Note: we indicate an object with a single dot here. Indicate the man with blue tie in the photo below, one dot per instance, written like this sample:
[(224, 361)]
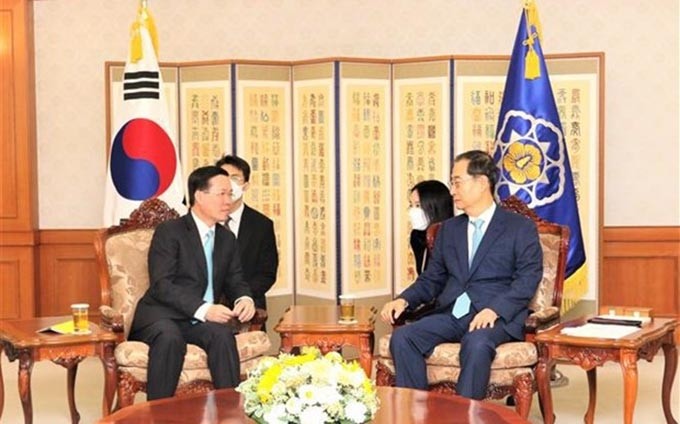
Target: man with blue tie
[(192, 263), (484, 270)]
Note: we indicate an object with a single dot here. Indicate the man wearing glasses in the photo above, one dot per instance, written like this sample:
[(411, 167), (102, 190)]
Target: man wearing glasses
[(254, 232), (485, 268), (193, 263)]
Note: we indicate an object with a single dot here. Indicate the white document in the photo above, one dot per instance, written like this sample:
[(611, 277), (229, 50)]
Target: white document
[(600, 331)]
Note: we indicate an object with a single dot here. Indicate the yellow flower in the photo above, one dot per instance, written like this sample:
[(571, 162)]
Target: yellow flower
[(523, 162), (269, 378)]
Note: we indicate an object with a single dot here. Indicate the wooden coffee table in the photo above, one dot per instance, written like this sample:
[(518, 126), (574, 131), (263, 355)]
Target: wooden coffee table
[(590, 353), (19, 339), (403, 406), (317, 325)]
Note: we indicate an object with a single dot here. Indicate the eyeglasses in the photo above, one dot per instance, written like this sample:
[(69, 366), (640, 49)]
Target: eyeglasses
[(219, 194), (458, 181)]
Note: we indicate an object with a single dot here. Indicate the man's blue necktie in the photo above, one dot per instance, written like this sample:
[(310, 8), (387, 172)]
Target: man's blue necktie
[(462, 305), (476, 238), (208, 246)]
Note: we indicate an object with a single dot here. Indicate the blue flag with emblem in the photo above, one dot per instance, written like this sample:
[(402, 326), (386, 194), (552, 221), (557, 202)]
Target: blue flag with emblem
[(530, 145)]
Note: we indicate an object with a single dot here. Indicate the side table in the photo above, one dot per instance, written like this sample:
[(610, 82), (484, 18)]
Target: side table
[(590, 352), (317, 325), (20, 339)]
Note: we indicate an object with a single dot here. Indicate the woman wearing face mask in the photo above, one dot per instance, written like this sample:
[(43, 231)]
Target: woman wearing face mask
[(429, 202)]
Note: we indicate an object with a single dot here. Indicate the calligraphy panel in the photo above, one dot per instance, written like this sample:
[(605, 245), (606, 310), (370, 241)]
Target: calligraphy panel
[(263, 108), (365, 174), (315, 188)]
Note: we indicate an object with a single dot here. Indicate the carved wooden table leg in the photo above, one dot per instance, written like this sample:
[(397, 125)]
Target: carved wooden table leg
[(109, 363), (286, 345), (670, 354), (71, 373), (25, 368), (592, 395), (543, 368), (630, 383), (71, 364), (366, 354)]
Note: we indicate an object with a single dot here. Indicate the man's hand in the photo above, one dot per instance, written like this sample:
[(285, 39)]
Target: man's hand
[(392, 310), (219, 313), (484, 318), (244, 310)]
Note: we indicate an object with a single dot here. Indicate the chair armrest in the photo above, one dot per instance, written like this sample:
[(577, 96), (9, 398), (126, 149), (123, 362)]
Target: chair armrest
[(111, 320), (542, 319), (410, 315), (258, 321)]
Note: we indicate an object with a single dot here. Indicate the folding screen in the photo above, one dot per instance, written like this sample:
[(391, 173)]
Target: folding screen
[(335, 146)]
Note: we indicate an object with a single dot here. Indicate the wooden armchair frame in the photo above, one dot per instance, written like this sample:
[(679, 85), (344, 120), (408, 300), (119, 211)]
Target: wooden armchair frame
[(149, 214)]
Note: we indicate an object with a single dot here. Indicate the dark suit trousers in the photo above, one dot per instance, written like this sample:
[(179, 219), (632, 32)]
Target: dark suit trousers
[(167, 340), (412, 343)]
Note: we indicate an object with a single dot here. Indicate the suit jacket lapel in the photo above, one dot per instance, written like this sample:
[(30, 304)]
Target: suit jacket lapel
[(196, 246), (495, 229), (460, 244)]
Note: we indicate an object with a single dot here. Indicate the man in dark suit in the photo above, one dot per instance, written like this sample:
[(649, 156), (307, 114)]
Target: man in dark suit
[(192, 263), (484, 270), (254, 232)]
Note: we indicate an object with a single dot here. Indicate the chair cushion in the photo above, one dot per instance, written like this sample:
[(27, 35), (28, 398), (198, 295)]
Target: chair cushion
[(439, 373), (126, 256), (250, 345), (508, 355), (188, 376)]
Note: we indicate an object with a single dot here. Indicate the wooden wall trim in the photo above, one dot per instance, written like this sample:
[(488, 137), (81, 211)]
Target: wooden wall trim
[(641, 267), (48, 237), (18, 238), (641, 234)]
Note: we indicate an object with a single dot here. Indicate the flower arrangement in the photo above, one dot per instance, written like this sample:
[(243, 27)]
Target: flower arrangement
[(309, 388)]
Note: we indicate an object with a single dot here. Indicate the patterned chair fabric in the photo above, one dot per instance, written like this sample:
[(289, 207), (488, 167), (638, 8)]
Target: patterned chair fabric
[(512, 371), (121, 253)]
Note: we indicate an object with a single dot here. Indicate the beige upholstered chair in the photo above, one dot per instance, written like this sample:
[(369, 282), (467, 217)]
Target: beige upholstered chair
[(512, 371), (121, 254)]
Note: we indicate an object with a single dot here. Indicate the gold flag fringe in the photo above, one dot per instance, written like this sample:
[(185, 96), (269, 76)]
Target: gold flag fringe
[(144, 20), (532, 67)]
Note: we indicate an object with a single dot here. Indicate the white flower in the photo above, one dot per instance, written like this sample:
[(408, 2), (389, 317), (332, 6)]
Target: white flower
[(307, 394), (313, 415), (357, 378), (294, 406), (328, 394), (276, 415), (356, 411)]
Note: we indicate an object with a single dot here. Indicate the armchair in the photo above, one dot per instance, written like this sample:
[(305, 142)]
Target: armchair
[(121, 255), (512, 371)]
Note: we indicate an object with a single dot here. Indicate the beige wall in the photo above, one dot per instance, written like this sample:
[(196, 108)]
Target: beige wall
[(73, 39)]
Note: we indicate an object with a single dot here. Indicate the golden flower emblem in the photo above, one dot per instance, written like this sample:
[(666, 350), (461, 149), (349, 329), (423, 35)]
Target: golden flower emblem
[(523, 162)]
